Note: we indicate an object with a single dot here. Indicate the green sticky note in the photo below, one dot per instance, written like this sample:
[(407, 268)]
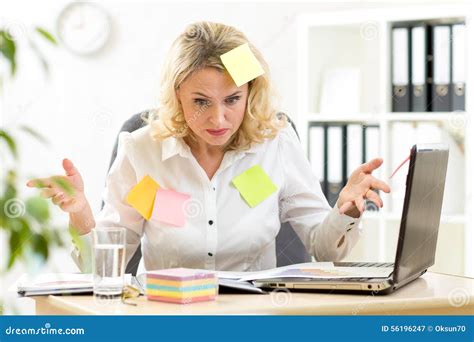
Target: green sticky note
[(254, 185)]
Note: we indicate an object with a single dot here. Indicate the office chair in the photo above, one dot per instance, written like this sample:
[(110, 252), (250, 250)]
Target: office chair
[(289, 248)]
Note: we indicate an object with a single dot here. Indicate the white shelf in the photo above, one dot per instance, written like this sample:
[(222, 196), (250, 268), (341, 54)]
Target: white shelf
[(380, 215), (357, 117), (389, 117), (440, 116)]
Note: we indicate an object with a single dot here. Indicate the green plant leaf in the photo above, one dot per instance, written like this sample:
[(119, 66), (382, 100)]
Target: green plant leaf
[(40, 56), (38, 208), (10, 142), (15, 247), (47, 35), (10, 192), (34, 134), (63, 184), (11, 177), (3, 217), (57, 238), (40, 246), (8, 50), (9, 185), (22, 239)]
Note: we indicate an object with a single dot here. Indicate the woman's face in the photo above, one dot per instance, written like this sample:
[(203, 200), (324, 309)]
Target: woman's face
[(213, 105)]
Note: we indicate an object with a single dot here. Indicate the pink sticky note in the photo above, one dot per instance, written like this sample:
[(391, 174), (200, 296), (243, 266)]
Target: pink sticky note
[(169, 207)]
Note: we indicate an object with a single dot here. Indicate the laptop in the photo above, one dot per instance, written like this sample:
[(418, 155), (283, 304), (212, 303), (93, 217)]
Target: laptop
[(417, 238)]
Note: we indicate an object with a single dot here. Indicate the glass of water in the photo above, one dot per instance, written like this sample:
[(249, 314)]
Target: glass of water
[(109, 261)]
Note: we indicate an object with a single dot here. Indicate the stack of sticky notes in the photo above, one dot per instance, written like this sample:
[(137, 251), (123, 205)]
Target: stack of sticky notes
[(181, 285)]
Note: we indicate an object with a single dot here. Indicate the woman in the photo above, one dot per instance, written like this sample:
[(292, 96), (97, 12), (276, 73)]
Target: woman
[(207, 131)]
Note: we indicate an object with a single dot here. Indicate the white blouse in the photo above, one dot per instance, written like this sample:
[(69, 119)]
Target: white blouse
[(223, 232)]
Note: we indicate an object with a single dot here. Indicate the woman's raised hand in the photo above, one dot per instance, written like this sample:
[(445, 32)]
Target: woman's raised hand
[(66, 191), (361, 186)]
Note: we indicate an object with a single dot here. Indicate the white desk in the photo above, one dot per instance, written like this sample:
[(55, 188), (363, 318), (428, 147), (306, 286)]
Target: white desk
[(432, 294)]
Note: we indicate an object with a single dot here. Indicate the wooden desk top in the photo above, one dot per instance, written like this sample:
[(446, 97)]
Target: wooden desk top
[(432, 294)]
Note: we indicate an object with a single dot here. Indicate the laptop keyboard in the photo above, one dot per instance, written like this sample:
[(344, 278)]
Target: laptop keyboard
[(371, 264)]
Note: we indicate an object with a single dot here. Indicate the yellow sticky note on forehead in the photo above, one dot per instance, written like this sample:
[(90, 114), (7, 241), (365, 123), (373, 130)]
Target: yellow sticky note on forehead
[(242, 64), (142, 196)]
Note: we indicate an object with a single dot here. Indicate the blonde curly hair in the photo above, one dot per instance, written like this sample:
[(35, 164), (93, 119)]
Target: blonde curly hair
[(198, 47)]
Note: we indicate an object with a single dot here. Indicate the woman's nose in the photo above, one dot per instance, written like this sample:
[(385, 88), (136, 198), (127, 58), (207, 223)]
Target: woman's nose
[(217, 115)]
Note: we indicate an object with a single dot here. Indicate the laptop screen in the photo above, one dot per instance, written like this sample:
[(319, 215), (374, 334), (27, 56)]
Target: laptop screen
[(421, 210)]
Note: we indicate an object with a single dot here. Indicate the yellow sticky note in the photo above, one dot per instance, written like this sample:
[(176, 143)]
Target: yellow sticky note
[(242, 64), (142, 196), (254, 185)]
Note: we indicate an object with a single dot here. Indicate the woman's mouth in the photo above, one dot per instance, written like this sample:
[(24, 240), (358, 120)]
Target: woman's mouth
[(217, 132)]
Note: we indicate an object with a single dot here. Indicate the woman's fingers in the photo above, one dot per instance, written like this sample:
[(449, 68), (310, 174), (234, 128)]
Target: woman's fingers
[(49, 192), (39, 183), (371, 165), (60, 183), (361, 186), (379, 185), (370, 182), (66, 204), (374, 197), (58, 198), (49, 182), (345, 207), (360, 204), (69, 168)]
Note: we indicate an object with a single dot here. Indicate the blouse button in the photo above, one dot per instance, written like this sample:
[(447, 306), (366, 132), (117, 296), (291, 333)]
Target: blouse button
[(211, 222), (210, 254)]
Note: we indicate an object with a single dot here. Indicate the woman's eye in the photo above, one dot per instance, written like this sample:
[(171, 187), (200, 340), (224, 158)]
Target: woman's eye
[(201, 102), (232, 100)]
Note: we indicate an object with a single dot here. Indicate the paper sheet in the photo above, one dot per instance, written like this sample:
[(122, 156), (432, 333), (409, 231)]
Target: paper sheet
[(320, 270)]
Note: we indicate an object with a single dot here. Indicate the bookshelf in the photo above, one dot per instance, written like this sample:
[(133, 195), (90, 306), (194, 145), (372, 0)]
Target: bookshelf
[(362, 39)]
